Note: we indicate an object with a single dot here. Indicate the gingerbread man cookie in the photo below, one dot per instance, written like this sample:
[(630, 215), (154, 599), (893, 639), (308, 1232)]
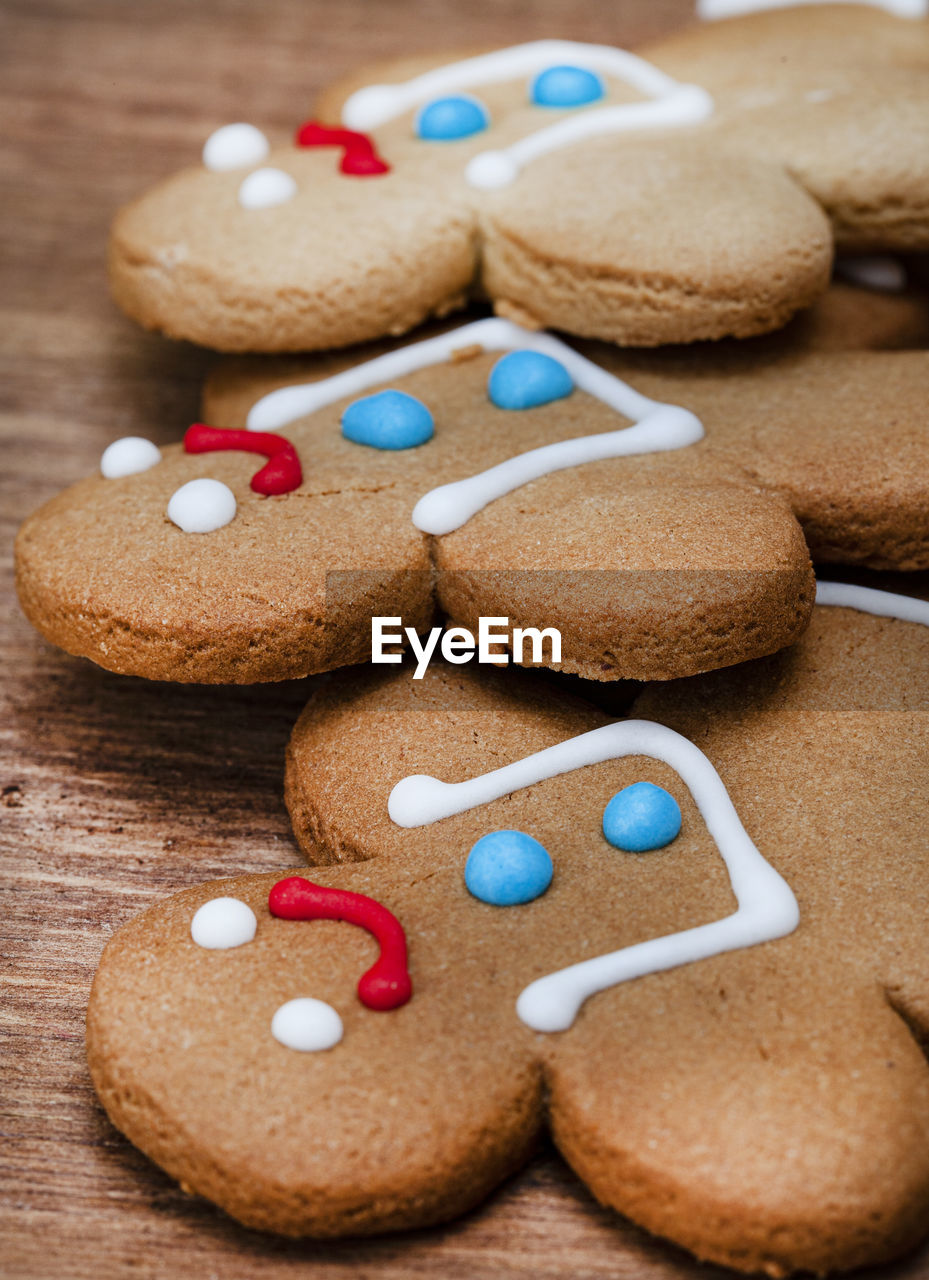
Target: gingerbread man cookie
[(691, 941), (578, 186), (522, 482), (495, 485)]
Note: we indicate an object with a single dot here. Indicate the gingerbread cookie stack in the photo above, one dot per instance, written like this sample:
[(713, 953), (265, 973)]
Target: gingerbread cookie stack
[(686, 940)]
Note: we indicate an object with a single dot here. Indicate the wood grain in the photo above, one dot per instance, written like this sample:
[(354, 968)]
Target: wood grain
[(114, 792)]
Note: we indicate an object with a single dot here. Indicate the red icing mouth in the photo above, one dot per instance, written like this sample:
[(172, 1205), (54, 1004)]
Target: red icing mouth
[(386, 985), (359, 154), (280, 474)]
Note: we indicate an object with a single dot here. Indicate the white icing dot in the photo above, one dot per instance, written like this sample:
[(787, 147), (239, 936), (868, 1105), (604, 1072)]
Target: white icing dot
[(307, 1025), (265, 188), (235, 146), (491, 169), (200, 506), (884, 275), (127, 456), (222, 923)]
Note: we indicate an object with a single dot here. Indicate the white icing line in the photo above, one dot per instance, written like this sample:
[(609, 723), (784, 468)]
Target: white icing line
[(767, 908), (375, 104), (685, 104), (658, 427), (712, 9), (674, 103), (280, 407), (447, 508), (884, 604)]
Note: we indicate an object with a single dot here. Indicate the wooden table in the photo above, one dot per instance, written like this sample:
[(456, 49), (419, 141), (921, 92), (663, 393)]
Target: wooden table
[(114, 792)]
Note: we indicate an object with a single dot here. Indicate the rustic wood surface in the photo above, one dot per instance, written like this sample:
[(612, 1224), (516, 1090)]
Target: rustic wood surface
[(115, 792)]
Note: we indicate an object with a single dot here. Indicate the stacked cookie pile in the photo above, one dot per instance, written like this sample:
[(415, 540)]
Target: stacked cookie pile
[(690, 939)]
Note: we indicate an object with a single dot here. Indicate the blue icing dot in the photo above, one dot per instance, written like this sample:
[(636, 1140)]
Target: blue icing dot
[(566, 87), (641, 817), (524, 379), (388, 420), (446, 119), (506, 868)]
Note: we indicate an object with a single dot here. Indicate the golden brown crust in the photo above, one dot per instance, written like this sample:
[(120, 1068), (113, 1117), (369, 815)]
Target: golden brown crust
[(725, 227), (768, 1108), (652, 566)]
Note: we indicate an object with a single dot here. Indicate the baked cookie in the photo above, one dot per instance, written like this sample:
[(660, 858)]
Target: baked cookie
[(874, 303), (836, 93), (652, 555), (657, 551), (577, 186), (693, 943)]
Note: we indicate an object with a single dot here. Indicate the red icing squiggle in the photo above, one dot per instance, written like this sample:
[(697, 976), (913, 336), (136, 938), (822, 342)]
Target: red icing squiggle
[(359, 154), (386, 985), (280, 474)]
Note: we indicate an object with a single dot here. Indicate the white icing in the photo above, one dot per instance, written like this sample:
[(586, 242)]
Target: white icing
[(671, 103), (711, 9), (658, 427), (222, 923), (885, 604), (767, 908), (266, 188), (687, 104), (128, 456), (375, 104), (235, 146), (885, 275), (307, 1025), (200, 506)]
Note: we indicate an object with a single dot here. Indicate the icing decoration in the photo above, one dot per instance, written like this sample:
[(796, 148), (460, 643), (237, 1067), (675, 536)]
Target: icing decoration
[(767, 908), (657, 427), (223, 923), (307, 1025), (668, 101), (885, 275), (526, 379), (507, 868), (641, 817), (201, 506), (235, 146), (386, 985), (566, 87), (448, 119), (280, 474), (266, 188), (359, 154), (128, 456), (387, 420), (712, 9), (884, 604)]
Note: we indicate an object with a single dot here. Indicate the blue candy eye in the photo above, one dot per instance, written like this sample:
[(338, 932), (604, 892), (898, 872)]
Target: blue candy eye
[(566, 87), (447, 119), (641, 817), (525, 379), (506, 868), (388, 420)]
